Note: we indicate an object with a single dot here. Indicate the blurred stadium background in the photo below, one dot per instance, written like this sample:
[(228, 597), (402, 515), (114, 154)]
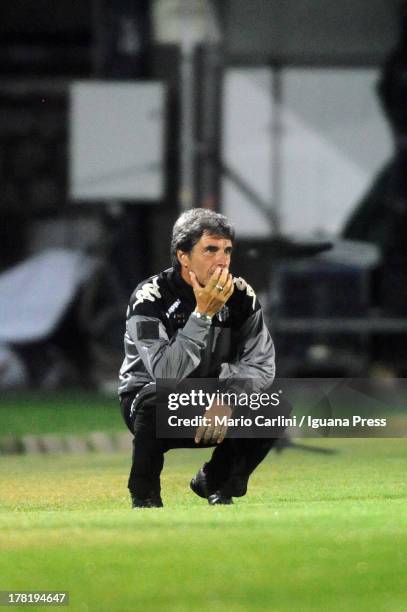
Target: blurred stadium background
[(115, 116)]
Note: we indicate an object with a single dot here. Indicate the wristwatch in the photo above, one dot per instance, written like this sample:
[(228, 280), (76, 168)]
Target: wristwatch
[(199, 315)]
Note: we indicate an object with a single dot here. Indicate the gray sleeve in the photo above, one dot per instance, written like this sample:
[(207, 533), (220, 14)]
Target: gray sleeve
[(164, 358), (256, 356)]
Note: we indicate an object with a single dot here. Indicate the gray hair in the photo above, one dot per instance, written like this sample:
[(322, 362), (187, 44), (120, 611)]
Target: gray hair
[(192, 224)]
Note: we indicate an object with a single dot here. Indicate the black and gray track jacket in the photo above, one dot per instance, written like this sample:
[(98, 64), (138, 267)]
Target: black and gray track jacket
[(163, 340)]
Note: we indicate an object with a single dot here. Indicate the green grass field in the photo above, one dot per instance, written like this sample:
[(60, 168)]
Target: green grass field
[(58, 412), (315, 532)]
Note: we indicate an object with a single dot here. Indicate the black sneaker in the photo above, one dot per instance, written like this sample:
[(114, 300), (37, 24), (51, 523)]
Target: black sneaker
[(154, 501), (201, 485)]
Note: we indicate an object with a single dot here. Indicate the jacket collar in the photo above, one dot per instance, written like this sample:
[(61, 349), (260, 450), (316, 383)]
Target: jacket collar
[(184, 290)]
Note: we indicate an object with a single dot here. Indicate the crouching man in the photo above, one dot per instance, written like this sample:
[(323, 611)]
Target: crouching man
[(194, 320)]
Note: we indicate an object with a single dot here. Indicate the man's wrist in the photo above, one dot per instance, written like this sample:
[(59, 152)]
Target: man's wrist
[(202, 315)]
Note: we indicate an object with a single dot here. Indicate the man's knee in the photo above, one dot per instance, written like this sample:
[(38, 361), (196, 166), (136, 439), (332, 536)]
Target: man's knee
[(143, 417), (137, 414)]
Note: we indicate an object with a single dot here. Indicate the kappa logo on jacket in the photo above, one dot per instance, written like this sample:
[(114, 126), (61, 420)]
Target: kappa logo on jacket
[(149, 291), (172, 308)]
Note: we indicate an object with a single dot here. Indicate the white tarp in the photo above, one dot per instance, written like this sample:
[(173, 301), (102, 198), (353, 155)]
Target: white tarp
[(35, 294)]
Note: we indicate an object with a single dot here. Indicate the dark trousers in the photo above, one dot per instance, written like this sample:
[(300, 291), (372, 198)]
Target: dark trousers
[(229, 468)]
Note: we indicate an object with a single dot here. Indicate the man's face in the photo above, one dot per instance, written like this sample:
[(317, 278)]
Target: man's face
[(209, 253)]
